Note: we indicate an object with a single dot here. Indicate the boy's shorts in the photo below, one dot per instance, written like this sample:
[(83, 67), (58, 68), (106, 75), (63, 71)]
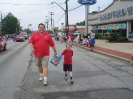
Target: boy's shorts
[(67, 67), (41, 61)]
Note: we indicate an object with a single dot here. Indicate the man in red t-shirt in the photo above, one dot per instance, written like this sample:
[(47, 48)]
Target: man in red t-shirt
[(68, 53), (40, 42)]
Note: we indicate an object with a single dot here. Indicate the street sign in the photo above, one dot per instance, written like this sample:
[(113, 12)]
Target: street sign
[(87, 2)]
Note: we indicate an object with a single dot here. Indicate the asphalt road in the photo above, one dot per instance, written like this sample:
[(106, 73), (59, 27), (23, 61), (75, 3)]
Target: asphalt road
[(13, 66), (96, 76)]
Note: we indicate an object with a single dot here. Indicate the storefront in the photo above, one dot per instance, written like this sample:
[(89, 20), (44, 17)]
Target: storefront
[(116, 18)]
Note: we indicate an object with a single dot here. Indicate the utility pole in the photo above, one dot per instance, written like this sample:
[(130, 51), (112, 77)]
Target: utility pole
[(46, 25), (66, 14), (86, 19), (51, 13)]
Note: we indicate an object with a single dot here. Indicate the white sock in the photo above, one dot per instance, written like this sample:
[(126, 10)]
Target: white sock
[(45, 78)]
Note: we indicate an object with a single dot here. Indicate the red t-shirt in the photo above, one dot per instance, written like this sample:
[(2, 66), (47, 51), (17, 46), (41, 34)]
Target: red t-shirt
[(41, 43), (67, 56), (69, 35)]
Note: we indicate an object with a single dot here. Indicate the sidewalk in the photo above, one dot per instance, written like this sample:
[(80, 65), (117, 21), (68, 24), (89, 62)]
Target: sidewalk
[(119, 50)]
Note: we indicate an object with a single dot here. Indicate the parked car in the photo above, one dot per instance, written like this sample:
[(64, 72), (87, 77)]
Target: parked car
[(3, 43), (20, 38), (75, 34), (25, 36)]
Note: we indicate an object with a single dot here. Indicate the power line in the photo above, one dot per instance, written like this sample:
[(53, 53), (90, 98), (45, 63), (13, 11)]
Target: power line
[(60, 18), (24, 4), (37, 11), (76, 8), (69, 10), (75, 5)]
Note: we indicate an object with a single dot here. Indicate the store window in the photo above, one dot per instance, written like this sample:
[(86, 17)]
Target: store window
[(107, 29)]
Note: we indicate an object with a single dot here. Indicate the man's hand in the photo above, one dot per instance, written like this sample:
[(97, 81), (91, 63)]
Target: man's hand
[(32, 49)]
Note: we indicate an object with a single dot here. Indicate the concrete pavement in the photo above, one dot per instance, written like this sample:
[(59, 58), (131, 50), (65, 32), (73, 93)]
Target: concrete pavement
[(119, 50)]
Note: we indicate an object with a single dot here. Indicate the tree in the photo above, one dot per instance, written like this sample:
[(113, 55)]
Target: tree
[(9, 24), (75, 28), (28, 31), (80, 23)]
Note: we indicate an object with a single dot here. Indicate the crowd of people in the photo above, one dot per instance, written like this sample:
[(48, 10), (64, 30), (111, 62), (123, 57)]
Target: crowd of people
[(70, 38)]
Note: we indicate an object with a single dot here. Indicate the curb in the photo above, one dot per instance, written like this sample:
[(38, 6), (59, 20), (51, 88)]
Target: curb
[(103, 53)]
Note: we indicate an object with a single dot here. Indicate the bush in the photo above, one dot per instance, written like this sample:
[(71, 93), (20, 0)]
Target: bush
[(110, 38), (122, 39), (97, 35), (104, 37), (115, 36)]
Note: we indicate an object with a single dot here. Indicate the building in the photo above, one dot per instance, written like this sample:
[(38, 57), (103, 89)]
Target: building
[(116, 18), (81, 29), (70, 26), (73, 27)]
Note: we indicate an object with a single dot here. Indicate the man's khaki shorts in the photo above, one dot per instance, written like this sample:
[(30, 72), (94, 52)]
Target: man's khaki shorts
[(42, 61)]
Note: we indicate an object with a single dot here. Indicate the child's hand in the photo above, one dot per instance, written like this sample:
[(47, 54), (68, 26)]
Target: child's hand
[(55, 53)]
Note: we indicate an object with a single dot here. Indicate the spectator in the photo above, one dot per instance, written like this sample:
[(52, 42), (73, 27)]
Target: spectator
[(69, 37), (92, 35)]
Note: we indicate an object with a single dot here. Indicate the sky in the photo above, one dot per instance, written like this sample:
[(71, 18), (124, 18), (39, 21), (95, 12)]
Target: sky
[(35, 11)]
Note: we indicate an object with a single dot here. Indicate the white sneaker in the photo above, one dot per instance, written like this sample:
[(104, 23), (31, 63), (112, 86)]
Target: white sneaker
[(71, 80), (65, 77), (45, 83), (41, 77)]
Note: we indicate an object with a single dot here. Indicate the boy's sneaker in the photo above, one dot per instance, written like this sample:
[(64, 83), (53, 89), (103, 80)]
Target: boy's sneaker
[(71, 80), (41, 77), (65, 77), (45, 83)]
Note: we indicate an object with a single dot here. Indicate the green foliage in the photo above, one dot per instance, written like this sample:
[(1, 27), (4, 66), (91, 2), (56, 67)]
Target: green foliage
[(28, 31), (75, 29), (9, 24), (111, 38), (55, 29), (122, 39), (80, 23), (104, 37), (97, 35), (117, 37)]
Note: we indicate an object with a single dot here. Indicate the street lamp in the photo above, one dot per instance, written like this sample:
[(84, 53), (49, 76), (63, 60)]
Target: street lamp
[(47, 22), (28, 27), (66, 15), (51, 22)]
